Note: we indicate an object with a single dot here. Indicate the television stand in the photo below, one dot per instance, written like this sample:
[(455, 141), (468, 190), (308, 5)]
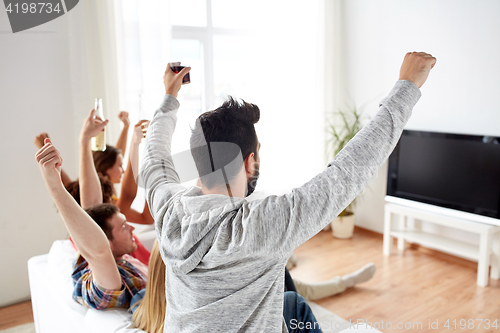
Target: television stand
[(489, 243)]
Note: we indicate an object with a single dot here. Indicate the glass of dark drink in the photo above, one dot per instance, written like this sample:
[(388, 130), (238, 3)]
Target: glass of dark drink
[(176, 68)]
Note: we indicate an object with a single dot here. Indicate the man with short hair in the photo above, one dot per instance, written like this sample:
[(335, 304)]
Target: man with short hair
[(225, 257), (105, 274)]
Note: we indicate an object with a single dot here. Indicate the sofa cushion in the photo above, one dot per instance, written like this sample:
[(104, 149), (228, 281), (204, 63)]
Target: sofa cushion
[(62, 256), (110, 321)]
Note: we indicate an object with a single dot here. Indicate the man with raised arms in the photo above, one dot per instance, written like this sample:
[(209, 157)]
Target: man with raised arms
[(225, 256)]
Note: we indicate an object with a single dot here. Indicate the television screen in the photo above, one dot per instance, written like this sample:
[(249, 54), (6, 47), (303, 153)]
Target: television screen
[(449, 170)]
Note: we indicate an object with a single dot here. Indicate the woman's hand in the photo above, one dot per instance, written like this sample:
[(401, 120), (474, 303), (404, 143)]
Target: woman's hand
[(124, 118), (92, 126), (140, 130)]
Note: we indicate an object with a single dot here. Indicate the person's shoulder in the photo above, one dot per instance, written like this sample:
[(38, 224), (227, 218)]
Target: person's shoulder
[(133, 266), (132, 272)]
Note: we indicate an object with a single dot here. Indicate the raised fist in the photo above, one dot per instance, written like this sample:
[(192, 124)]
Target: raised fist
[(416, 67), (124, 118)]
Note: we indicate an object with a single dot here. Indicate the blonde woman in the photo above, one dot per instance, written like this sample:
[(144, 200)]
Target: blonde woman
[(149, 305)]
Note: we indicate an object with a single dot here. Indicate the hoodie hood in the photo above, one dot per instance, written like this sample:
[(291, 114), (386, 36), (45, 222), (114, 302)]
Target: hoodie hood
[(191, 224)]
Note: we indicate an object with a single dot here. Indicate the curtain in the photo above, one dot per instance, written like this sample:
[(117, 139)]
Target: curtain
[(93, 63), (143, 41), (336, 94), (144, 35), (332, 61)]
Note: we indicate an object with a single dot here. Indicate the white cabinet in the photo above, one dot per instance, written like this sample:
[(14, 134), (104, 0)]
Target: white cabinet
[(397, 224)]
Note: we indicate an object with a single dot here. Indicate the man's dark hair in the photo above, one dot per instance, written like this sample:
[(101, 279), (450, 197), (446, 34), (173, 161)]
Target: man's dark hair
[(231, 124), (101, 214)]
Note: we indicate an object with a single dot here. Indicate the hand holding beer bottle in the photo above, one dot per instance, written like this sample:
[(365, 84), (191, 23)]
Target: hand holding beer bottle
[(98, 142)]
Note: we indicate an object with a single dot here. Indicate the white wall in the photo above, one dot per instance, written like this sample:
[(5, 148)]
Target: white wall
[(44, 87), (35, 97), (461, 94)]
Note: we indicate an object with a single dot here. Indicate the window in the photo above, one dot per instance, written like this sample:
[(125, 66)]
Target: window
[(266, 52), (221, 46)]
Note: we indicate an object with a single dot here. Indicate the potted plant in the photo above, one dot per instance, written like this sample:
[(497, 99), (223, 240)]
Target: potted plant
[(341, 131)]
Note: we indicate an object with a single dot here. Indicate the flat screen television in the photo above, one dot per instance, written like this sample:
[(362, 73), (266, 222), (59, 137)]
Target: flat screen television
[(456, 171)]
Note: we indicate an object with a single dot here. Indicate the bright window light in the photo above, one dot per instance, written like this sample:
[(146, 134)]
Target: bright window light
[(266, 52), (188, 13)]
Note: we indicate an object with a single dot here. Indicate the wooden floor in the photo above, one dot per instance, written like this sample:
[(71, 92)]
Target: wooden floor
[(409, 287), (15, 315), (412, 287)]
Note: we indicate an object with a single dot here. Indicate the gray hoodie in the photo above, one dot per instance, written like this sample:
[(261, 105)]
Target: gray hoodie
[(225, 257)]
